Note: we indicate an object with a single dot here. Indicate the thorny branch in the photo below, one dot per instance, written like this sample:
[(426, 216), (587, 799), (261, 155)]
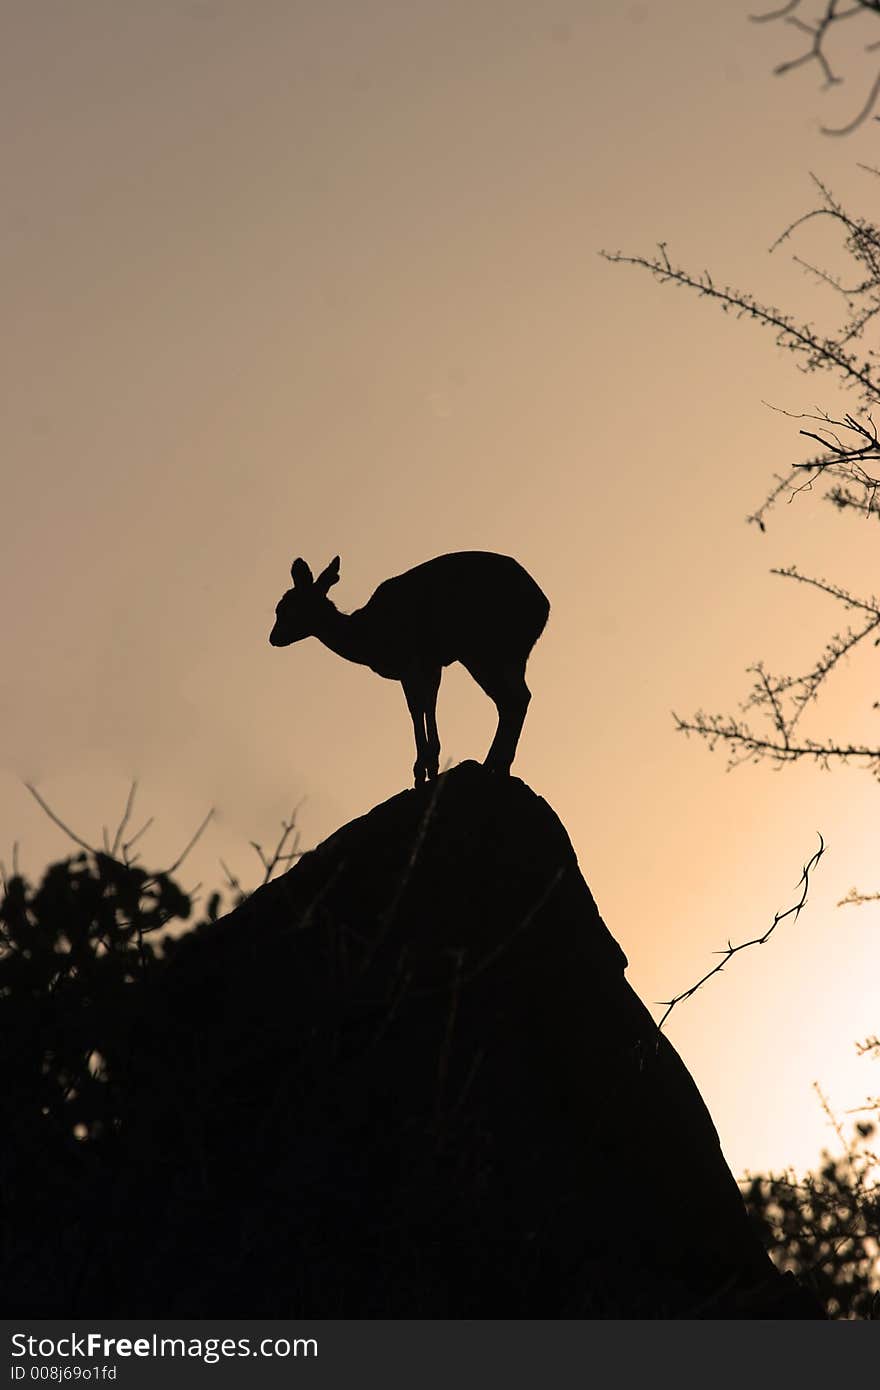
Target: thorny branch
[(845, 454), (783, 699), (782, 486), (817, 351), (816, 34), (843, 459), (847, 445), (730, 950)]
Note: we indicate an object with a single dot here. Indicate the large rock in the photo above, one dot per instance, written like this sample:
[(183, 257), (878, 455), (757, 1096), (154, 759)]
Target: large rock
[(409, 1078)]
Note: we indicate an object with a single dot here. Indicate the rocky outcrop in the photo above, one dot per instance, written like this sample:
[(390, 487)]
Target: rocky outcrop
[(409, 1079)]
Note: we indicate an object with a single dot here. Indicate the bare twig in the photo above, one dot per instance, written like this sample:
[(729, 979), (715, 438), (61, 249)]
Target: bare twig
[(281, 855), (231, 880), (819, 352), (785, 698), (832, 1118), (126, 816), (817, 33), (731, 950), (190, 845), (783, 485), (855, 898), (71, 834), (849, 447), (128, 844)]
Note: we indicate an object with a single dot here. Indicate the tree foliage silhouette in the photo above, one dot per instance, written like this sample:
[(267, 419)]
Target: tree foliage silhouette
[(826, 1227), (83, 952), (845, 453)]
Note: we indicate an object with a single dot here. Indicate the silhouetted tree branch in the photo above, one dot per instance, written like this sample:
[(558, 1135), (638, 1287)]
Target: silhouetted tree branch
[(846, 451), (855, 899), (782, 700), (119, 850), (285, 852), (815, 350), (814, 33), (824, 1227), (730, 950)]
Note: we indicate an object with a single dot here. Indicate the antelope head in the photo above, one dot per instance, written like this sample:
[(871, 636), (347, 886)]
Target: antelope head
[(298, 611)]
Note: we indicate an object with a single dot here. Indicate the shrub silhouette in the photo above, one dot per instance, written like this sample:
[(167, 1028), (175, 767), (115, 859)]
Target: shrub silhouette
[(826, 1228), (71, 948), (72, 951)]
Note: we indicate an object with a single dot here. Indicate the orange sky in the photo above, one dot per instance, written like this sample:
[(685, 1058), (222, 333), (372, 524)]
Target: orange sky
[(292, 277)]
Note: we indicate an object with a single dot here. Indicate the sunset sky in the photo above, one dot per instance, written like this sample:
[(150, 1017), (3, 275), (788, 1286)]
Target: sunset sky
[(311, 277)]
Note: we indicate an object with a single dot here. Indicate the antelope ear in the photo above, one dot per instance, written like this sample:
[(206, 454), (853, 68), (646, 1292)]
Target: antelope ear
[(300, 574), (329, 576)]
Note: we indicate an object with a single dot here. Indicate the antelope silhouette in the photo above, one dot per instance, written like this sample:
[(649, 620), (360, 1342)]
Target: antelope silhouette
[(475, 607)]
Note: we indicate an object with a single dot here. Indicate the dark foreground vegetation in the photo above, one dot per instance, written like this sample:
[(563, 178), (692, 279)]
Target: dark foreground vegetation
[(406, 1078)]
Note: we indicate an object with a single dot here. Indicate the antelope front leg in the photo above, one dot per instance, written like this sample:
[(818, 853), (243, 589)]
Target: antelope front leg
[(414, 690)]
